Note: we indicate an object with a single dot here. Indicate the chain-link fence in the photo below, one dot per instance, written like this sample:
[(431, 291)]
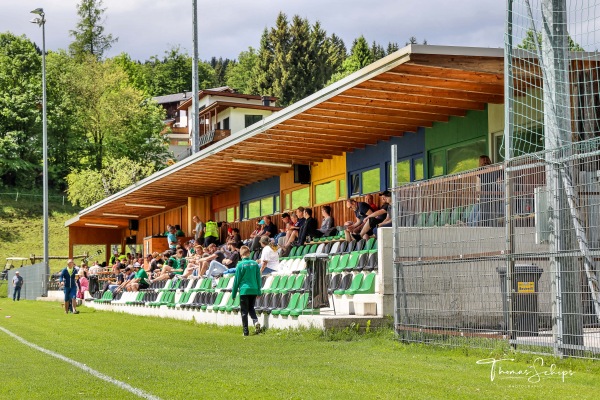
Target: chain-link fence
[(500, 254)]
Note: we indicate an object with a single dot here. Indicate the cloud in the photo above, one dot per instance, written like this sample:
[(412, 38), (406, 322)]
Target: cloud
[(147, 28)]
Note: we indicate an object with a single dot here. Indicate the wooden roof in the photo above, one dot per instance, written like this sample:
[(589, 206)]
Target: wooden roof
[(411, 88)]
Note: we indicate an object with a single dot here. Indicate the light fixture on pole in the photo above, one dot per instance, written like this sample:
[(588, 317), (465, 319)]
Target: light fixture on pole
[(41, 21), (259, 162)]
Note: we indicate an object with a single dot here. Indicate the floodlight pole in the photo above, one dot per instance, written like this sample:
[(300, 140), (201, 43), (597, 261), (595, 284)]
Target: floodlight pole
[(41, 21), (195, 117)]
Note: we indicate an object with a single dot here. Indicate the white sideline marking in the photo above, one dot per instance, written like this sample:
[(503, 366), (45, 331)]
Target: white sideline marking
[(97, 374)]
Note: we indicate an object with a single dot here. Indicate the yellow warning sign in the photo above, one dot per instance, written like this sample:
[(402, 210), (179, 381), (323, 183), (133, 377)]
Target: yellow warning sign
[(525, 287)]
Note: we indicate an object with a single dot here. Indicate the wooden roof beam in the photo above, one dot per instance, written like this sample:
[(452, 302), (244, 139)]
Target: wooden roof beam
[(414, 99), (369, 118), (434, 71), (451, 94), (401, 106), (441, 83)]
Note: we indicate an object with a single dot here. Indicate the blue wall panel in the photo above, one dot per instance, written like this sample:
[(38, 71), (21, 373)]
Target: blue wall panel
[(260, 189), (379, 154)]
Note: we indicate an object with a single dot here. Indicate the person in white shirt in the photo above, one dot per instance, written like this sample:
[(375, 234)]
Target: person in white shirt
[(269, 259)]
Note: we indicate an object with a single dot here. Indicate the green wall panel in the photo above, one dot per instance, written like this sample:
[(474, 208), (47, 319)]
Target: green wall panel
[(457, 129)]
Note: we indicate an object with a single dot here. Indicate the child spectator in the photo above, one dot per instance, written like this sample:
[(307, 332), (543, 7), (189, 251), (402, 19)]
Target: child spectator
[(247, 281)]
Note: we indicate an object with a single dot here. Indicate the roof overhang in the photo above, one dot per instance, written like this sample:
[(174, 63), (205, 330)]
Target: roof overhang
[(411, 88)]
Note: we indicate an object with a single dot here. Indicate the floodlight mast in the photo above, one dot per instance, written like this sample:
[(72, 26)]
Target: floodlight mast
[(41, 21)]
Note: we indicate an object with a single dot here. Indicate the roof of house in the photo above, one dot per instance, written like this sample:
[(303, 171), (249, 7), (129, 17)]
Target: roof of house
[(411, 88)]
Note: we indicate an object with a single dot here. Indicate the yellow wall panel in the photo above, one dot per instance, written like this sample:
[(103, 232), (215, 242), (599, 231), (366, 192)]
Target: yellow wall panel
[(327, 169)]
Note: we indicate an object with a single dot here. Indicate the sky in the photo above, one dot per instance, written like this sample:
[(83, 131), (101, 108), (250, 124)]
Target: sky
[(150, 27)]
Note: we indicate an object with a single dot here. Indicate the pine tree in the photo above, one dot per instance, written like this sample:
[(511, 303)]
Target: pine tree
[(377, 51), (262, 82), (89, 36), (392, 47)]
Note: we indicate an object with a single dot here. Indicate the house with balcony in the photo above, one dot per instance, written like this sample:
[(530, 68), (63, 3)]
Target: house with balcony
[(222, 111)]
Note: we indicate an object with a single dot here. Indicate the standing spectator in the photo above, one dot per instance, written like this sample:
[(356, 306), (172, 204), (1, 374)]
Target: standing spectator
[(82, 284), (67, 280), (17, 282), (178, 231), (172, 238), (269, 259), (198, 230), (247, 281), (211, 233)]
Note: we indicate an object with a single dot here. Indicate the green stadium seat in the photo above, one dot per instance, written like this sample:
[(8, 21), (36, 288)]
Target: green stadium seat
[(352, 261), (433, 218), (456, 215), (366, 287), (422, 219), (291, 280), (369, 244), (292, 303), (333, 263), (234, 306), (342, 263), (356, 282), (444, 217), (274, 284), (300, 306)]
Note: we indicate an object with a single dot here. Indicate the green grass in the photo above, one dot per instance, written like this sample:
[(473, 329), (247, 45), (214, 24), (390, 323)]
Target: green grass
[(183, 360), (21, 230)]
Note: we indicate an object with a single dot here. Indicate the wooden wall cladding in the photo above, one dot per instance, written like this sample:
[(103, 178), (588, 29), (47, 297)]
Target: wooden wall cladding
[(227, 199), (157, 224)]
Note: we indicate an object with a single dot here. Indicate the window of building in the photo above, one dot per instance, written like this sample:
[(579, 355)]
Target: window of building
[(300, 198), (260, 207), (371, 181), (363, 182), (287, 201), (452, 160), (226, 123), (408, 170), (342, 190), (251, 119), (231, 214), (326, 192), (254, 209), (419, 169), (354, 184)]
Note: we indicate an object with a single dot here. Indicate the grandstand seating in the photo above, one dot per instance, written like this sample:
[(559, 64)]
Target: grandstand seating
[(352, 278)]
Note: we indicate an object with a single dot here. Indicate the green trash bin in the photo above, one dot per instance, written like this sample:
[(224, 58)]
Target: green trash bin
[(524, 296)]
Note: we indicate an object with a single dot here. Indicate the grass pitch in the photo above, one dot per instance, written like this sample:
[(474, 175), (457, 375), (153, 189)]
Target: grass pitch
[(183, 360)]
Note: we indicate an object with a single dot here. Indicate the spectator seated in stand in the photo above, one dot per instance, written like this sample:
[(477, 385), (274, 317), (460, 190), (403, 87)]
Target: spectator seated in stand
[(269, 259), (361, 210), (309, 228), (379, 218), (292, 234), (227, 265), (140, 280), (175, 266), (256, 232), (285, 220), (269, 229), (327, 224)]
